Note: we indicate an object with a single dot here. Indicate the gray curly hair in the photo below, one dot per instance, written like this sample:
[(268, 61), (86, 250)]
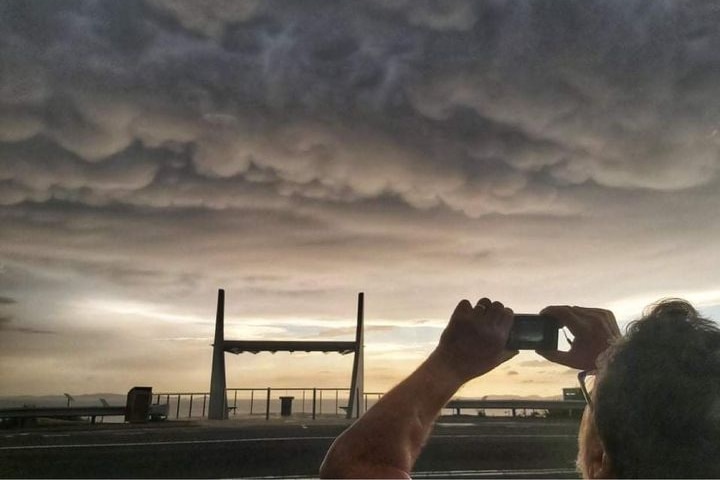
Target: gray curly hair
[(657, 400)]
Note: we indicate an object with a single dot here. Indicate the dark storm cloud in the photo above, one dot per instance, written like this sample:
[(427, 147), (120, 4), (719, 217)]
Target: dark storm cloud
[(7, 301), (296, 152), (535, 364), (130, 124), (483, 107), (350, 331), (8, 324)]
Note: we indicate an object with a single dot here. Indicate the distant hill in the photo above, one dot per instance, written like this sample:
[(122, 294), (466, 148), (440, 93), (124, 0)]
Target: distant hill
[(86, 400), (517, 397)]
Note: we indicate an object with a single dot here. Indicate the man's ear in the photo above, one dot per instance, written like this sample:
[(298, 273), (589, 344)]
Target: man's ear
[(597, 461), (606, 470), (593, 460), (600, 465)]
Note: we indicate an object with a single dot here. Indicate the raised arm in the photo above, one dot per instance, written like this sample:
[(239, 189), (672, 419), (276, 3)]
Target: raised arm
[(387, 440)]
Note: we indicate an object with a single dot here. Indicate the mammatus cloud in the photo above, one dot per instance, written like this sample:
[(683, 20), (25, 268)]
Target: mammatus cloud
[(317, 107), (7, 324), (297, 153)]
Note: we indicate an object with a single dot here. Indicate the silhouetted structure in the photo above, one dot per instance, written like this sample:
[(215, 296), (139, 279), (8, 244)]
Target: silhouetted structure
[(217, 410), (573, 393), (218, 399)]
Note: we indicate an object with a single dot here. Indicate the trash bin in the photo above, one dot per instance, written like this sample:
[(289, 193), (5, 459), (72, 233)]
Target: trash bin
[(138, 403), (286, 406)]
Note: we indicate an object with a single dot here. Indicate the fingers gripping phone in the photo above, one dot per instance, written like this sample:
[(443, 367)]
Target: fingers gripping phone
[(533, 332)]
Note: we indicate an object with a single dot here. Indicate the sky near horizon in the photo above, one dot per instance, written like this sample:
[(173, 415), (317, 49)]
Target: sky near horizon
[(297, 153)]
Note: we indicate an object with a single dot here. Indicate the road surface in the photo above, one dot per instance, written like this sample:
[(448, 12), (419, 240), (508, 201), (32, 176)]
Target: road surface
[(460, 447)]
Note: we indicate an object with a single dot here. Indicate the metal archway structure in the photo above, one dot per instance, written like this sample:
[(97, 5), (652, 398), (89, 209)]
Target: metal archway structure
[(218, 398)]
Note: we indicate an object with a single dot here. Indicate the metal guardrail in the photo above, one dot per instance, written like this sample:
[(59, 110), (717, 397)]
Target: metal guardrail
[(156, 412), (266, 401), (262, 401), (326, 401), (59, 412), (21, 415), (513, 405)]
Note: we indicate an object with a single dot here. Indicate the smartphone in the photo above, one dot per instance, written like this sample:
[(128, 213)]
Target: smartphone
[(533, 332)]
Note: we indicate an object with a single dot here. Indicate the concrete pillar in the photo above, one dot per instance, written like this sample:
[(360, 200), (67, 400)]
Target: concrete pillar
[(356, 403), (218, 410)]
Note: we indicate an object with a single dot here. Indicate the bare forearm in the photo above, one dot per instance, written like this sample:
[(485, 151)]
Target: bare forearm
[(387, 440)]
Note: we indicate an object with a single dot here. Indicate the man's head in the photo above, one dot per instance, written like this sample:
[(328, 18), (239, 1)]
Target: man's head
[(656, 404)]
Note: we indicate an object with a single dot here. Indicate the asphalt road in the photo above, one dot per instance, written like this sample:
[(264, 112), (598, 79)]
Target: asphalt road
[(459, 447)]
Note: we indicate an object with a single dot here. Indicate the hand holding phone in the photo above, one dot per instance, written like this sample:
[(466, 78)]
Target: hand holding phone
[(593, 329), (533, 332)]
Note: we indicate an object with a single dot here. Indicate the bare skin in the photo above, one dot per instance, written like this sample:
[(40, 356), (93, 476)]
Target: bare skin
[(387, 440), (592, 460), (594, 330)]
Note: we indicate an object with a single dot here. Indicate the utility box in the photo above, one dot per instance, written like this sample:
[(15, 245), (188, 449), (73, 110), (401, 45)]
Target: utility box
[(137, 408), (286, 406)]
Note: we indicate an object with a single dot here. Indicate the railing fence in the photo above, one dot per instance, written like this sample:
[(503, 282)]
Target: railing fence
[(265, 401)]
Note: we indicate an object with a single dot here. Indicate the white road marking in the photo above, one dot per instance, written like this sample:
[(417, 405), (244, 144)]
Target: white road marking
[(174, 442), (483, 425), (13, 435), (250, 440), (505, 435), (523, 473), (455, 424)]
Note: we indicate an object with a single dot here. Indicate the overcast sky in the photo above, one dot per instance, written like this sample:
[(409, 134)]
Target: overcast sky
[(297, 153)]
